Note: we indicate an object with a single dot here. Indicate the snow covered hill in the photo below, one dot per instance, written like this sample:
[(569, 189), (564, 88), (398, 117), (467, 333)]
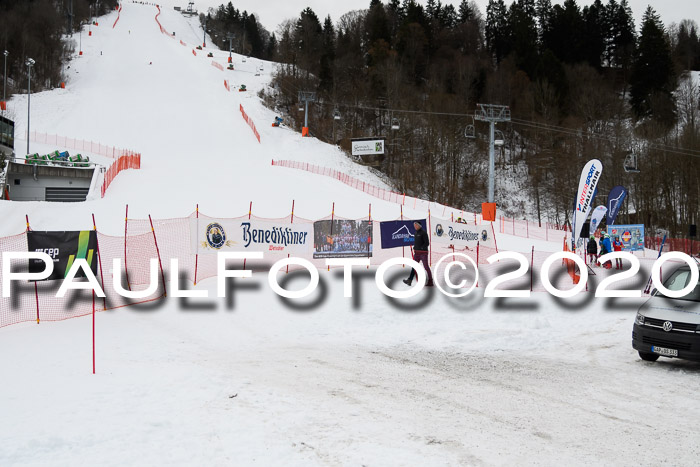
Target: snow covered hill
[(255, 380)]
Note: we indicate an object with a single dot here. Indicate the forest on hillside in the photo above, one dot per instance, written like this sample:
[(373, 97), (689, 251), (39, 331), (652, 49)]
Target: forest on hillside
[(581, 83), (43, 30)]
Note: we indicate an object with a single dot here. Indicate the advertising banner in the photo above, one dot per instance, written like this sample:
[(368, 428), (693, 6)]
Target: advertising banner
[(342, 239), (461, 235), (397, 234), (596, 217), (615, 199), (367, 147), (587, 187), (632, 236), (64, 248), (211, 236)]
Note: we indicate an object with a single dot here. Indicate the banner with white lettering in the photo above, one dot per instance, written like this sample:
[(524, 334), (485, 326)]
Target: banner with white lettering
[(615, 199), (215, 235), (596, 217), (462, 235), (395, 234), (588, 184), (64, 248)]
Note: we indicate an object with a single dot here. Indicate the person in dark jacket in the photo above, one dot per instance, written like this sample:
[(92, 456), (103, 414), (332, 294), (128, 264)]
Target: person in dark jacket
[(420, 254), (605, 248), (592, 249)]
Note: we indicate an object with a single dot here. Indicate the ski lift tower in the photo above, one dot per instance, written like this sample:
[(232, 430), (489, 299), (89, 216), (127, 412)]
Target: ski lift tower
[(492, 114), (306, 97)]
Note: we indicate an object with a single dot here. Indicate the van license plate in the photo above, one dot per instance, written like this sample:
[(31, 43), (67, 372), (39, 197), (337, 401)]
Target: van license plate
[(664, 351)]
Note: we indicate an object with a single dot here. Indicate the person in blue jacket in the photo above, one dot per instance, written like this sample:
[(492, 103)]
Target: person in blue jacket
[(607, 245)]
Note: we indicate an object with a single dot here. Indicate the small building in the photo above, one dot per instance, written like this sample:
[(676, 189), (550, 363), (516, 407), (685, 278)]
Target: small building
[(33, 182)]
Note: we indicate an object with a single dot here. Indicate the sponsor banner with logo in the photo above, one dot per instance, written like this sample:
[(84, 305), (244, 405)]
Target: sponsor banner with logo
[(587, 188), (397, 234), (615, 199), (461, 235), (367, 147), (215, 235), (631, 236), (596, 217), (64, 248), (342, 239)]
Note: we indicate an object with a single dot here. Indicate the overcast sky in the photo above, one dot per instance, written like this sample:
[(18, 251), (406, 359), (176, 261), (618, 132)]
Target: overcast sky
[(273, 12)]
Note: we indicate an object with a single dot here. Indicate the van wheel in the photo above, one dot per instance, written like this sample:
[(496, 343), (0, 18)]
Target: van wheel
[(648, 357)]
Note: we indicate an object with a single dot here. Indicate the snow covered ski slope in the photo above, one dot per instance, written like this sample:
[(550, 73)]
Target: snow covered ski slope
[(256, 380)]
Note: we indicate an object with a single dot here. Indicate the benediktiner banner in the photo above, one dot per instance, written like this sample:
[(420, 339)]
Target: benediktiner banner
[(227, 235)]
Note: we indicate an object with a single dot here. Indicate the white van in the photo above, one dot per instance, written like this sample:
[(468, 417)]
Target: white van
[(669, 327)]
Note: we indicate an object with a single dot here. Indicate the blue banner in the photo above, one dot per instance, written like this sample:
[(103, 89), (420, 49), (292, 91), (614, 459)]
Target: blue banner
[(631, 236), (396, 234), (615, 199)]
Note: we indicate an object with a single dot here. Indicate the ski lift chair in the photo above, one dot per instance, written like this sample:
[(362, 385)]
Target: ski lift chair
[(336, 114), (470, 130), (395, 124), (498, 138), (631, 163), (301, 107)]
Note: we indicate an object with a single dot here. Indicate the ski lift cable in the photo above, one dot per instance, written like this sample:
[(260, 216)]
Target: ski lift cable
[(572, 132), (527, 123)]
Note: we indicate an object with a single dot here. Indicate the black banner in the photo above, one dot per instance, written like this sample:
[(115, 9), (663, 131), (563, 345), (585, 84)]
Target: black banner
[(64, 248)]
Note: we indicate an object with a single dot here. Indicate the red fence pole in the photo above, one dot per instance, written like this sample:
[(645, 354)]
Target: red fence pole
[(532, 266), (477, 261), (155, 240), (495, 242), (196, 256), (403, 248), (99, 259), (126, 225), (370, 232), (93, 332), (36, 288)]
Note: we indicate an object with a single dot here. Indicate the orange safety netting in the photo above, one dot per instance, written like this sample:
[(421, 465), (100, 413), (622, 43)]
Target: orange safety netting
[(173, 239)]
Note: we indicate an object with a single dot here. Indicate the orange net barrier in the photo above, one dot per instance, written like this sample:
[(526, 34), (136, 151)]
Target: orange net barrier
[(248, 120), (169, 239), (130, 161)]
